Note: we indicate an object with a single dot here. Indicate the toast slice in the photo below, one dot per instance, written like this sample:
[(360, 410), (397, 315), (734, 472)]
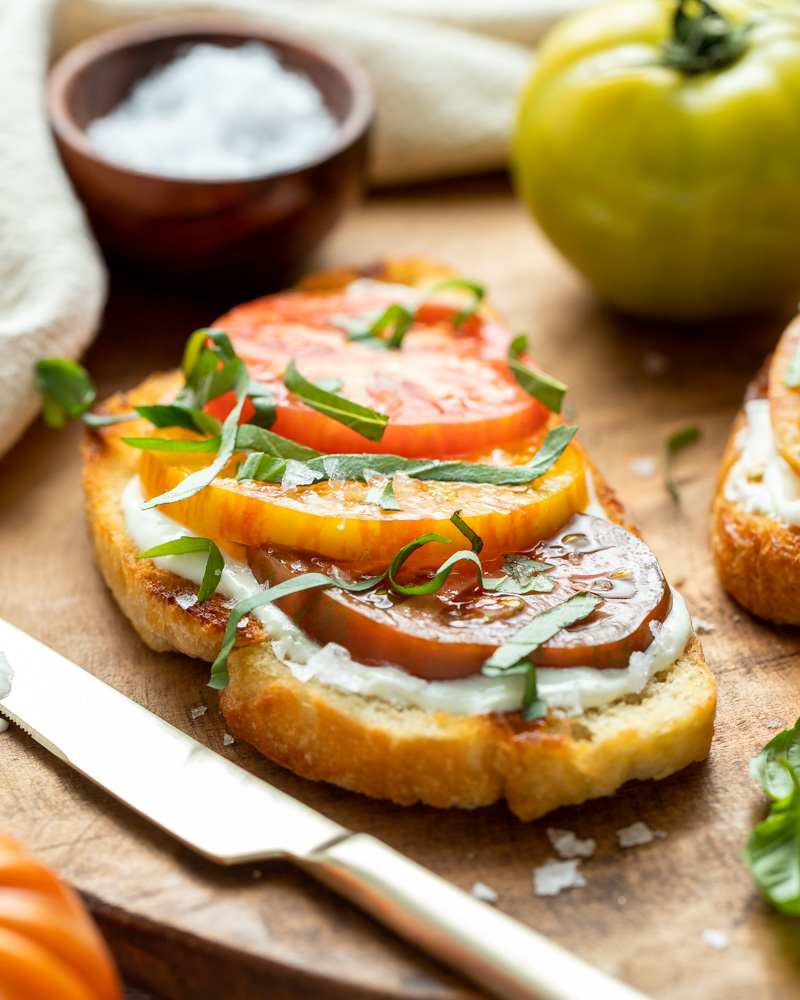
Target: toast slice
[(362, 742), (755, 514)]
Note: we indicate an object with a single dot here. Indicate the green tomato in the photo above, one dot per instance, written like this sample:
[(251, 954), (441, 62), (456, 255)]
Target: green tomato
[(659, 149)]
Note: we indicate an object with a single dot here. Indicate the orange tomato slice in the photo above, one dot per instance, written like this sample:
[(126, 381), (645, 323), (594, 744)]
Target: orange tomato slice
[(447, 391), (334, 520), (784, 403)]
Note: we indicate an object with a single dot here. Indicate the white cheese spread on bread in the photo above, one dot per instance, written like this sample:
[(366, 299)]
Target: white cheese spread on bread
[(570, 689), (761, 480)]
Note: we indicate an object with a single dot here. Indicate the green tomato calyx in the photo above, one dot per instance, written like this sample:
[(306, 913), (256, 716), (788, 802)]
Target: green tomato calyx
[(703, 40)]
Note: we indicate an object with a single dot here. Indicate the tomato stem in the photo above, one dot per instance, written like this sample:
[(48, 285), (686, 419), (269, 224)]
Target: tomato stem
[(703, 39)]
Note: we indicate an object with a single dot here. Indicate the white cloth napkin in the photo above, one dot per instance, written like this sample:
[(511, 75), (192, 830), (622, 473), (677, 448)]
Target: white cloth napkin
[(446, 74)]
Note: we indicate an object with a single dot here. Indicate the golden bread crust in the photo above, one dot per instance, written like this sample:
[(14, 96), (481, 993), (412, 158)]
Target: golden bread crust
[(757, 557), (403, 754), (409, 755)]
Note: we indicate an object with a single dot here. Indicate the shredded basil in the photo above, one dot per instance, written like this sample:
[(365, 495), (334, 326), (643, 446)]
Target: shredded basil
[(189, 543), (203, 477), (525, 576), (676, 441), (545, 388), (397, 317), (180, 416), (204, 445), (364, 421), (359, 467), (383, 496), (772, 852), (512, 656), (478, 293), (219, 669), (68, 392), (472, 537)]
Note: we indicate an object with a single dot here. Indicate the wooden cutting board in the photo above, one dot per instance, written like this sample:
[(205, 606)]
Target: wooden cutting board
[(186, 929)]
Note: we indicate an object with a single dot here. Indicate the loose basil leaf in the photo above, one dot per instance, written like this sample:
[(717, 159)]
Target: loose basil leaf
[(477, 290), (548, 390), (189, 543), (792, 378), (173, 444), (307, 581), (678, 440), (772, 852), (364, 421), (768, 768), (512, 656), (65, 388), (203, 477), (383, 496), (537, 631), (263, 403), (298, 474), (472, 537), (180, 416)]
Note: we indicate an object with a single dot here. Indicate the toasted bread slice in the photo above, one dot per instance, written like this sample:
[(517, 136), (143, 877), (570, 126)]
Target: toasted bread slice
[(368, 745), (756, 553)]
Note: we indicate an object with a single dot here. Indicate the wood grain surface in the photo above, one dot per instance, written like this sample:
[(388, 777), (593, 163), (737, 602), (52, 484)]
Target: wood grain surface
[(185, 929)]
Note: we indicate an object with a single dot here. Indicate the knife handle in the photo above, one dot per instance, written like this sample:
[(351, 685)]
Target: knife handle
[(483, 944)]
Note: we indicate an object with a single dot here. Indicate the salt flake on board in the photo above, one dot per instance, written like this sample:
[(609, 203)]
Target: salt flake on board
[(567, 845), (553, 877)]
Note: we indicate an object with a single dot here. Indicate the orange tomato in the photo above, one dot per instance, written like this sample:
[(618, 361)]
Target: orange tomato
[(49, 947), (334, 520), (447, 391), (784, 402)]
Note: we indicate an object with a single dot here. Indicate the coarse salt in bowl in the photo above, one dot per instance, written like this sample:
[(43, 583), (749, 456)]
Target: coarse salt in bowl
[(211, 148)]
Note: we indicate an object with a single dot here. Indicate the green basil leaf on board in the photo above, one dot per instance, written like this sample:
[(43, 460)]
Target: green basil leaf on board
[(65, 388), (772, 852), (189, 543), (680, 439), (548, 390), (364, 421), (512, 656)]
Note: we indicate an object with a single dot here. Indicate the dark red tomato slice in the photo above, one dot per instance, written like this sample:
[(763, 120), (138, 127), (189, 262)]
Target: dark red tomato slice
[(447, 392), (452, 633)]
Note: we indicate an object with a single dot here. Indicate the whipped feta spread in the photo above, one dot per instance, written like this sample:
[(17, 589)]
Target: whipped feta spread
[(570, 689), (761, 480)]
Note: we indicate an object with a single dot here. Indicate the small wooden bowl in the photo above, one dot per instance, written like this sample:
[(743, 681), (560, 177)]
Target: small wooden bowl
[(255, 232)]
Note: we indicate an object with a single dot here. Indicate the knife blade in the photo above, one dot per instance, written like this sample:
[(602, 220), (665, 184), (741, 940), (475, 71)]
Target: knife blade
[(169, 778)]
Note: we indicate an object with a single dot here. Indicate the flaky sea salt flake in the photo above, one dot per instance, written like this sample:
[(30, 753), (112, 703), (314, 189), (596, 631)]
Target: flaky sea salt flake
[(197, 712), (553, 877), (717, 939), (484, 892), (567, 845), (227, 739), (638, 833)]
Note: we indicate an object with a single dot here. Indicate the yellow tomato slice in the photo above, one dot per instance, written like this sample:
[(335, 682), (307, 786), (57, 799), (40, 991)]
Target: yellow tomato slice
[(784, 403), (334, 520)]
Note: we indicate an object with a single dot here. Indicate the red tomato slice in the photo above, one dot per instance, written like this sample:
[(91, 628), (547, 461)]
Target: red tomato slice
[(447, 392), (453, 632)]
